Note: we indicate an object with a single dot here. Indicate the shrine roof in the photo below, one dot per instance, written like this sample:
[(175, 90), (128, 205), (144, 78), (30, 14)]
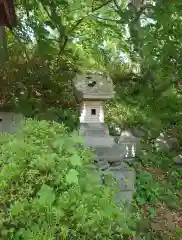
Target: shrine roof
[(93, 86)]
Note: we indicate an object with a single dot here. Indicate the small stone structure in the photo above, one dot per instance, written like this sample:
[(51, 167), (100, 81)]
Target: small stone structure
[(165, 142), (91, 90), (10, 122), (130, 143)]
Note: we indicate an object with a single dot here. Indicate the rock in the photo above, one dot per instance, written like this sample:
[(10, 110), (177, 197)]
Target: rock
[(161, 142), (139, 132), (178, 160), (102, 165), (110, 154), (172, 142), (164, 142)]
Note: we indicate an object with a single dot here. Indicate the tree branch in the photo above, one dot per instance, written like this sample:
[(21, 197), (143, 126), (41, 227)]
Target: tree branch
[(18, 39), (101, 6), (49, 15), (93, 10), (118, 10), (107, 19), (76, 23)]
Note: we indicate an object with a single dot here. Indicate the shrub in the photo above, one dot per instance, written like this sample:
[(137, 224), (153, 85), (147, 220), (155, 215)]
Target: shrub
[(48, 190)]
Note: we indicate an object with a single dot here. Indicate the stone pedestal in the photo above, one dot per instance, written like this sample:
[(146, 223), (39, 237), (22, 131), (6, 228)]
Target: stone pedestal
[(109, 160), (96, 135), (122, 180)]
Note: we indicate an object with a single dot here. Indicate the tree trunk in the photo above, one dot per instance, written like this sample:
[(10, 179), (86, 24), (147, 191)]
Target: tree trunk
[(3, 46)]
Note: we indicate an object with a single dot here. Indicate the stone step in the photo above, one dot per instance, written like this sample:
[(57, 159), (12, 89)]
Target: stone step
[(93, 127), (97, 141), (95, 133), (110, 154), (125, 179)]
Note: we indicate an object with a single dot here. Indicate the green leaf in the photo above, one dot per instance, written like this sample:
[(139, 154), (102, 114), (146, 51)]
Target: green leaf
[(75, 160), (141, 201), (152, 212), (72, 176), (75, 138), (58, 143), (46, 195), (17, 208)]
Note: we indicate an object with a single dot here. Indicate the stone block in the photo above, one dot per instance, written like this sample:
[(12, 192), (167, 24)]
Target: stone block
[(122, 180), (10, 122), (124, 177), (102, 165), (110, 154), (92, 128), (124, 196), (92, 141)]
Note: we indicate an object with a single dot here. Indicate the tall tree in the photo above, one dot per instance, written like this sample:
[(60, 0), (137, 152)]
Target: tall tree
[(7, 18)]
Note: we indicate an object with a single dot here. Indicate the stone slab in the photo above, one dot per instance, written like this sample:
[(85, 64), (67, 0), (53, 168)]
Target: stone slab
[(110, 154), (10, 122), (124, 196), (124, 177), (92, 141), (93, 127)]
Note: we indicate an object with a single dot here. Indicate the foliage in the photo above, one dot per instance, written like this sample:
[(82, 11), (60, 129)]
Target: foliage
[(158, 183), (131, 41), (48, 190)]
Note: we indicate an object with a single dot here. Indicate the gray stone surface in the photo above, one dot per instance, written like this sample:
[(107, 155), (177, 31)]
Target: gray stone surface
[(93, 127), (125, 178), (96, 135), (127, 137), (110, 154), (102, 165), (178, 161), (96, 141), (139, 132), (109, 158), (129, 142), (124, 183), (93, 86), (164, 142), (10, 122), (124, 196)]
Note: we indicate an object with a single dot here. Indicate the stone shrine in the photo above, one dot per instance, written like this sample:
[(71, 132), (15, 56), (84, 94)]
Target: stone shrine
[(91, 90)]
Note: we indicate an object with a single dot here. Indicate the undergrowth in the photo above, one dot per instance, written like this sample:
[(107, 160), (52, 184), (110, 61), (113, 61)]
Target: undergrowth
[(83, 204), (159, 181), (48, 189)]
